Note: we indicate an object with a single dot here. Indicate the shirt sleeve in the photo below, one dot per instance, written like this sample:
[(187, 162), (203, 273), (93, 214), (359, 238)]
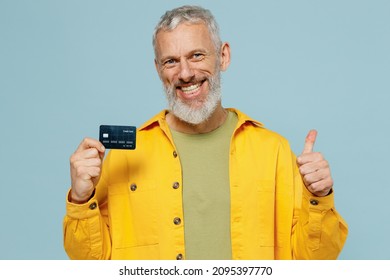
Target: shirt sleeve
[(319, 232), (86, 234)]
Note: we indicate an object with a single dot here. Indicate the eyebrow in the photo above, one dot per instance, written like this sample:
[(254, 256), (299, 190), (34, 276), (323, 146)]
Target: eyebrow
[(165, 58), (201, 50)]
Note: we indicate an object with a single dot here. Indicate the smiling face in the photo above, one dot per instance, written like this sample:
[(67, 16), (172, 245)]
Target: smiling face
[(189, 67)]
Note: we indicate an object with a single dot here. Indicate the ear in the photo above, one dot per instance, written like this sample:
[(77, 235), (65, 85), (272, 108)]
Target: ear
[(225, 56)]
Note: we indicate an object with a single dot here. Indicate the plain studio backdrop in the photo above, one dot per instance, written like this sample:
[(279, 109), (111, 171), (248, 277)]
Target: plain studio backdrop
[(67, 67)]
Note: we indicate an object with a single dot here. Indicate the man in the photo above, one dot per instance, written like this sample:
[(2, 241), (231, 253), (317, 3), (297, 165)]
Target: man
[(205, 182)]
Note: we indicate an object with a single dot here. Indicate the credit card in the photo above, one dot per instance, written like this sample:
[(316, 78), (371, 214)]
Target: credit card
[(118, 136)]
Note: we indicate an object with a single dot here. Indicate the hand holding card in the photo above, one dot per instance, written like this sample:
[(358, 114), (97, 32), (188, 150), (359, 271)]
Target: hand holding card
[(86, 161), (85, 169)]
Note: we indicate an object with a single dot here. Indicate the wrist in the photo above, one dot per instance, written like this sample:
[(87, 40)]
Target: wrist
[(79, 200)]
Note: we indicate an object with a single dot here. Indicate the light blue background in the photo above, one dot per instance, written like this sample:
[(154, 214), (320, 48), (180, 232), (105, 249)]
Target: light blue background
[(68, 66)]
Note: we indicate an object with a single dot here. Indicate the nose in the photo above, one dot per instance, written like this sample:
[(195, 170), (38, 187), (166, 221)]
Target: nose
[(186, 73)]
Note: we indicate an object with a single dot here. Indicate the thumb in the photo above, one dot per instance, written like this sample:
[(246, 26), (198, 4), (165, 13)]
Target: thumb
[(309, 141)]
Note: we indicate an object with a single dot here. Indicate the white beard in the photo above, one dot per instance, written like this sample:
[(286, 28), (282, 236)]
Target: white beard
[(190, 114)]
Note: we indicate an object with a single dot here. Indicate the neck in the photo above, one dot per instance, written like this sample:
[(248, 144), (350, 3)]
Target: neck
[(216, 120)]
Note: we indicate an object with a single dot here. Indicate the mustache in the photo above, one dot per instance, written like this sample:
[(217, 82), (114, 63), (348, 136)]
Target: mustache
[(194, 80)]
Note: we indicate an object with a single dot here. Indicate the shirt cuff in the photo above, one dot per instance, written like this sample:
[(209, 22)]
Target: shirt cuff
[(82, 211), (321, 203)]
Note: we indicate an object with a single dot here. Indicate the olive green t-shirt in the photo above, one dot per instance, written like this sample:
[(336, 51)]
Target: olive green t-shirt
[(206, 193)]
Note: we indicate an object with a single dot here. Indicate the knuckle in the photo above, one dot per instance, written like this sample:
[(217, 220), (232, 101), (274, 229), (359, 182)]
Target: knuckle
[(73, 158), (91, 152), (76, 164), (306, 180), (312, 188), (80, 171), (94, 152)]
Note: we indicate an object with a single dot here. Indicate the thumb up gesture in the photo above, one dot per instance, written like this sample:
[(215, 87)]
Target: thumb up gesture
[(314, 168)]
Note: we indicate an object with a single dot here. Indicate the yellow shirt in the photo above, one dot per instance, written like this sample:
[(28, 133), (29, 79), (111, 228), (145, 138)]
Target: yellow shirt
[(137, 209)]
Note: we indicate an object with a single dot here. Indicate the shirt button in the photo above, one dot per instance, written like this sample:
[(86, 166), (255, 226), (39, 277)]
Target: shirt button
[(314, 202), (179, 257), (176, 185), (174, 154), (177, 221), (93, 206), (133, 187)]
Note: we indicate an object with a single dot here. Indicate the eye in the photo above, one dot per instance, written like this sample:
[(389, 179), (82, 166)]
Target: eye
[(169, 62), (198, 56)]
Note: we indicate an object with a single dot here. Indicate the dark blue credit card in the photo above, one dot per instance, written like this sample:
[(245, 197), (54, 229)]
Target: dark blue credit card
[(118, 136)]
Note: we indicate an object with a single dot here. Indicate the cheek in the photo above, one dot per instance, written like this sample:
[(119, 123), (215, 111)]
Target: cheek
[(168, 78), (208, 73)]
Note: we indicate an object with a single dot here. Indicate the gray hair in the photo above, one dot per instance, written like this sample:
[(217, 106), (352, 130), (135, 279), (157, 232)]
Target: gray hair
[(191, 14)]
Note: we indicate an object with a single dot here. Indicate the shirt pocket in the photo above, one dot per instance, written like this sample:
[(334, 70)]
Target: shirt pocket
[(265, 207), (133, 215)]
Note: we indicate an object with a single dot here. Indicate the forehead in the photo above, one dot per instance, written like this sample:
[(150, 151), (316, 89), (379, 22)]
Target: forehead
[(184, 38)]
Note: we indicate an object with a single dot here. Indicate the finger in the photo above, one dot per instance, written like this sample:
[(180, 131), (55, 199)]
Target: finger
[(309, 141), (313, 167), (87, 173), (315, 177), (309, 158), (88, 143), (322, 187), (88, 162), (90, 153), (86, 154)]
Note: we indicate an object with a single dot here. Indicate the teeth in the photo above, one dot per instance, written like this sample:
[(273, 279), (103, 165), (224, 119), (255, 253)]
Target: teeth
[(190, 89)]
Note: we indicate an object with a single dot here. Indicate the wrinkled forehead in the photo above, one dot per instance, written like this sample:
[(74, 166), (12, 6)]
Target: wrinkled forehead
[(183, 38)]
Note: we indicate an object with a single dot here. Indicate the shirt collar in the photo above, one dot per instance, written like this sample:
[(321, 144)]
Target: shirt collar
[(160, 119), (243, 118)]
